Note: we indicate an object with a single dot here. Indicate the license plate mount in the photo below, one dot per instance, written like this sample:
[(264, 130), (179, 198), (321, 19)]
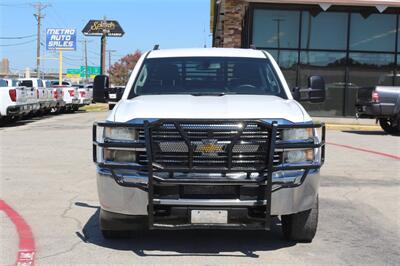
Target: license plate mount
[(209, 216)]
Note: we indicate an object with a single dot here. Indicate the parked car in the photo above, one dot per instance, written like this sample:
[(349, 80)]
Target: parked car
[(13, 101), (382, 103), (42, 94), (114, 95), (70, 95), (209, 138)]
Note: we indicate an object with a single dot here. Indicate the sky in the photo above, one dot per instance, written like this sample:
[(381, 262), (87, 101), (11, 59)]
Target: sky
[(169, 23)]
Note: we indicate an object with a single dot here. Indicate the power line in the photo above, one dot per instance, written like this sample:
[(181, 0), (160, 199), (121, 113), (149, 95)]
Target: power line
[(19, 37), (16, 44), (92, 52), (72, 59), (59, 17)]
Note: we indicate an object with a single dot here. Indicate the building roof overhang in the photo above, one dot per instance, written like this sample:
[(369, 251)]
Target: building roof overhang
[(377, 3)]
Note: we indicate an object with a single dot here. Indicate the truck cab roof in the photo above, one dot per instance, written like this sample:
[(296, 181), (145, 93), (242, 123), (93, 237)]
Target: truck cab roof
[(207, 52)]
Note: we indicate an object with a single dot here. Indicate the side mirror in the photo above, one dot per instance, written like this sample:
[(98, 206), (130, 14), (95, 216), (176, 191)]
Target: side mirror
[(316, 85), (100, 89), (296, 93)]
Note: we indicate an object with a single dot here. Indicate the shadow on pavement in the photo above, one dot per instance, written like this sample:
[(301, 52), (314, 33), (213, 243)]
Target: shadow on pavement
[(188, 242), (31, 119), (366, 132)]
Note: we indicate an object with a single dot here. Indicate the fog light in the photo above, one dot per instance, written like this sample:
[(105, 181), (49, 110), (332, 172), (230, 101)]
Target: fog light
[(119, 156)]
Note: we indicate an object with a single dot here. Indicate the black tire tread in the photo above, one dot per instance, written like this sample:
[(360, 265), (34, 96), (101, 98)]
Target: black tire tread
[(387, 126), (302, 226)]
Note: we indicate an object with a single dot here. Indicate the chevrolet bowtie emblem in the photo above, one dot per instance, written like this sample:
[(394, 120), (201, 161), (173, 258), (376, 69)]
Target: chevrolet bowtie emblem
[(209, 146)]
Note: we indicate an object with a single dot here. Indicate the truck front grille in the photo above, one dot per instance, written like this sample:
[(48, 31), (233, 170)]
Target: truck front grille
[(228, 145)]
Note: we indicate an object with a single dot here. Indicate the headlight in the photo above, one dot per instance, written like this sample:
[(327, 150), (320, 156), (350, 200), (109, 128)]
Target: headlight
[(296, 156), (297, 134), (120, 133), (120, 156)]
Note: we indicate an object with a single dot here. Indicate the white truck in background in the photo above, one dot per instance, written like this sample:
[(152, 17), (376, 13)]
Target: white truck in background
[(84, 95), (70, 95), (42, 94), (14, 101), (31, 98), (57, 96)]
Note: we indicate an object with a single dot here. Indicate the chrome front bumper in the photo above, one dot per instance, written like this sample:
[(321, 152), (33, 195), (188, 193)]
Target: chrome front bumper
[(133, 201)]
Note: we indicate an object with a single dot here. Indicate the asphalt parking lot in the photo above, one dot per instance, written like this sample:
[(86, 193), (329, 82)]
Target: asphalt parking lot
[(48, 178)]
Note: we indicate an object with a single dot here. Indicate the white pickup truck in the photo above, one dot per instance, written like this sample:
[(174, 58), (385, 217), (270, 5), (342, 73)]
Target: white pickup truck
[(70, 95), (57, 96), (43, 95), (84, 95), (14, 100), (209, 138)]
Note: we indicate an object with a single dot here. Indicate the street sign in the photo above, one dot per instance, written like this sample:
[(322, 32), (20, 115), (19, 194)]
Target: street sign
[(92, 70), (109, 28), (80, 72), (73, 72), (60, 39)]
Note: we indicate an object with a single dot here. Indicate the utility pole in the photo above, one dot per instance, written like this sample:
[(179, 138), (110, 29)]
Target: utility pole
[(109, 57), (85, 59), (86, 68), (103, 48), (38, 15)]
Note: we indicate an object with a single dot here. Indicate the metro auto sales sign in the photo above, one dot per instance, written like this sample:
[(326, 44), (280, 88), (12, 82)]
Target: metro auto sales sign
[(60, 39)]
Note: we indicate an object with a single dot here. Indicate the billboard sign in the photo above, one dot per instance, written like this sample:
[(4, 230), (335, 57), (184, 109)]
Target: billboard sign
[(60, 39), (110, 28)]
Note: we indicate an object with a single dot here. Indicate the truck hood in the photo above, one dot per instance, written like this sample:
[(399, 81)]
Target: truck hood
[(209, 107)]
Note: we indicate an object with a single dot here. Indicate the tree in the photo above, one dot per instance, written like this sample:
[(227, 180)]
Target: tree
[(119, 72)]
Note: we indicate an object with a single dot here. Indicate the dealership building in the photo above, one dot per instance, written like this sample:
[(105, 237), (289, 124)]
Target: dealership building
[(352, 44)]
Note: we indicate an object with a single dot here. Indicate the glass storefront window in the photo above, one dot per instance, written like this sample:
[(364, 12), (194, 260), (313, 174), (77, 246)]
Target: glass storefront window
[(331, 66), (377, 32), (367, 70), (365, 56), (276, 28), (327, 30), (287, 61)]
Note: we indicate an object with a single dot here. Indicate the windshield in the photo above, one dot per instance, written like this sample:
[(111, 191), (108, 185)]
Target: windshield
[(26, 83), (56, 83), (207, 76)]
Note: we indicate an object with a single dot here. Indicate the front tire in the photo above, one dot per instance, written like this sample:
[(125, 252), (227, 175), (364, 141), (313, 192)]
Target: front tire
[(115, 225), (109, 234), (302, 226)]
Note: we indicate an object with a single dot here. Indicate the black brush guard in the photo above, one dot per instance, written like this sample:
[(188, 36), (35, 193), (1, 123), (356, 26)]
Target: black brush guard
[(162, 172)]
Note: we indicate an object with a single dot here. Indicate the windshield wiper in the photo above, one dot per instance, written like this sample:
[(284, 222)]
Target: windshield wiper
[(208, 94)]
